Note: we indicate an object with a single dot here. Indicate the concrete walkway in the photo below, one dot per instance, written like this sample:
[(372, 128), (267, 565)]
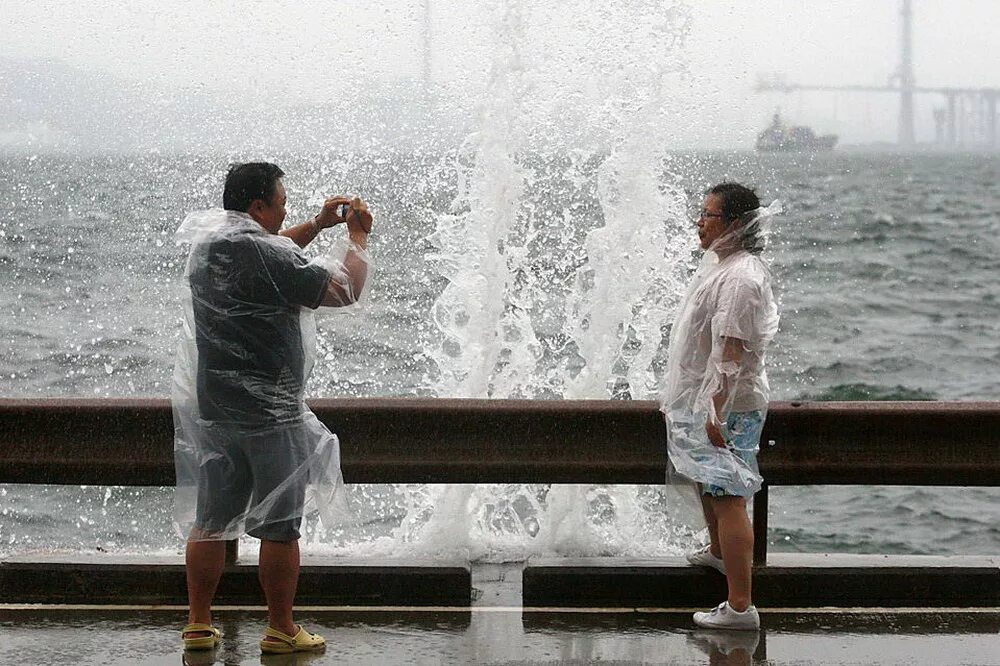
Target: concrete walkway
[(397, 636)]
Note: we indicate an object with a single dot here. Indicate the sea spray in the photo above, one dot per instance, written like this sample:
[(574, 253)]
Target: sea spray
[(487, 344), (487, 347), (618, 300), (625, 296)]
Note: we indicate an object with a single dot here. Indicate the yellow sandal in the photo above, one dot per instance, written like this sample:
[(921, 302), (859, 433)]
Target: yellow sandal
[(201, 642), (285, 644)]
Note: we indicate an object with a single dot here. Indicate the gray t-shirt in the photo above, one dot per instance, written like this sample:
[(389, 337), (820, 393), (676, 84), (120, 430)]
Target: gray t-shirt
[(248, 288)]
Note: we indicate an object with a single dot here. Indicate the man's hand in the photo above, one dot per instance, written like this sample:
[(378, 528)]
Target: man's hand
[(359, 218), (714, 430), (328, 215)]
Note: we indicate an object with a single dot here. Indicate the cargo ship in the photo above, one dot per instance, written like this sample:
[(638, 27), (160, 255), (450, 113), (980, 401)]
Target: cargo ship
[(784, 138)]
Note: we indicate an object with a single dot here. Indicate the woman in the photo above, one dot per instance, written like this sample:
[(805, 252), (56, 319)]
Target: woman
[(716, 388)]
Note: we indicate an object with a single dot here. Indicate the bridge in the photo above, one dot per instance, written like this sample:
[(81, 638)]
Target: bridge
[(968, 118)]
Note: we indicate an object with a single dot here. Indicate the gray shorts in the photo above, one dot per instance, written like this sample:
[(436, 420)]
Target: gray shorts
[(254, 476)]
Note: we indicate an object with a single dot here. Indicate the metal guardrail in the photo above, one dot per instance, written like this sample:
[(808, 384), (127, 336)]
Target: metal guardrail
[(416, 440)]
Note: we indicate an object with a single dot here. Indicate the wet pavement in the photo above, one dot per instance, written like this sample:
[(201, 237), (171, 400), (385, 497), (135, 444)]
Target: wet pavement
[(496, 630), (396, 636)]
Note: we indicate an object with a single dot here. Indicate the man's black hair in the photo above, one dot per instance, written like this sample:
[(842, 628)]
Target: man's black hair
[(250, 181), (737, 199)]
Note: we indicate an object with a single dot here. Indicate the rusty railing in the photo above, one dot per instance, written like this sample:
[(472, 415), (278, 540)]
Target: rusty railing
[(129, 442)]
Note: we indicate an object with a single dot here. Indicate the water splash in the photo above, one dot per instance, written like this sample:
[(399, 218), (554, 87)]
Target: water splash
[(616, 293), (488, 346)]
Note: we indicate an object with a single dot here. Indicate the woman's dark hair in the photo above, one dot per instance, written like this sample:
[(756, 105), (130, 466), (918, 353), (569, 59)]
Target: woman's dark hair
[(737, 200), (250, 181)]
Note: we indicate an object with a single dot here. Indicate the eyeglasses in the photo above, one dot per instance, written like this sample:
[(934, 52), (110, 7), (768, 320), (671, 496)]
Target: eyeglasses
[(704, 214)]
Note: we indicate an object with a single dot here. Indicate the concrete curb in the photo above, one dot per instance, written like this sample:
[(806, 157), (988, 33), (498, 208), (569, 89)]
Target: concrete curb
[(395, 584)]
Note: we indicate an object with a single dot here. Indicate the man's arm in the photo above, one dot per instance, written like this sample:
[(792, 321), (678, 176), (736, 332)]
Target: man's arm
[(304, 233), (359, 225), (732, 353), (356, 268)]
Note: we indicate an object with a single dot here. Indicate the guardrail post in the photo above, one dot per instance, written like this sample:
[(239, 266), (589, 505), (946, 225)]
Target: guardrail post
[(232, 551), (760, 527)]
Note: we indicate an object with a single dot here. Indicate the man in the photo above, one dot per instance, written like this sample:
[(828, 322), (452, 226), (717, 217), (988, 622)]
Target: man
[(717, 391), (246, 447)]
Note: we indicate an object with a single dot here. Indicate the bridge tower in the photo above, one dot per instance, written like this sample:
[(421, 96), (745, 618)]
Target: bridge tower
[(906, 78)]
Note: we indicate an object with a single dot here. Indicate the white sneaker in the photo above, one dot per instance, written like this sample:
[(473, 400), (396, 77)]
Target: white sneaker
[(724, 617), (704, 558)]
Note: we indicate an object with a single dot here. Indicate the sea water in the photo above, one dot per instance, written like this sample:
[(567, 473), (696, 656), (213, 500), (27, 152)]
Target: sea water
[(539, 252), (885, 266)]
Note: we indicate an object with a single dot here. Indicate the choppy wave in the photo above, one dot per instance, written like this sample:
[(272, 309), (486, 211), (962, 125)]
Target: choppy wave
[(885, 520)]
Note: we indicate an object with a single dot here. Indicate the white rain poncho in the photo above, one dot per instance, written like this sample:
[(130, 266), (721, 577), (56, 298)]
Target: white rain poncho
[(727, 298), (243, 433)]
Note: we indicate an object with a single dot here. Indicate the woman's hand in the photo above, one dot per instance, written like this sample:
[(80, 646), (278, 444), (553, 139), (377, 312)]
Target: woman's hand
[(715, 436)]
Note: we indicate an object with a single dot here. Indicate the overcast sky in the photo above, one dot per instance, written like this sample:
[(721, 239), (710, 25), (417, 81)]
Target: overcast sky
[(303, 50)]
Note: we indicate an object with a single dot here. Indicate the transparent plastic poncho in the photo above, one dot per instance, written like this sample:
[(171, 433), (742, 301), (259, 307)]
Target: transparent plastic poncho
[(247, 346), (728, 302)]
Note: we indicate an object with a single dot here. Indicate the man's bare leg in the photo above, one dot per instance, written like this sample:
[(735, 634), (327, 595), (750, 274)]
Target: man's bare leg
[(279, 577), (736, 541), (204, 561)]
